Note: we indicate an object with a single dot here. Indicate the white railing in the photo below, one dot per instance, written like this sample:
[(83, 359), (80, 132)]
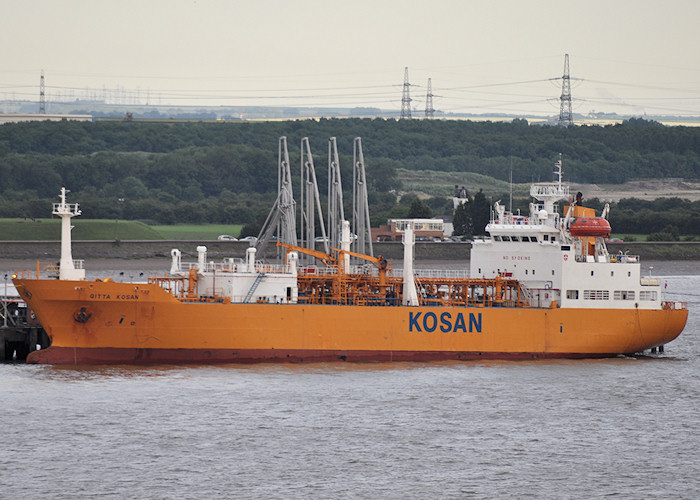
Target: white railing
[(550, 190), (317, 271), (435, 273), (513, 219), (70, 208), (620, 259), (233, 266)]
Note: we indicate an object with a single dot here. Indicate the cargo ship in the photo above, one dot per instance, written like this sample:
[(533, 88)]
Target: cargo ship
[(539, 285)]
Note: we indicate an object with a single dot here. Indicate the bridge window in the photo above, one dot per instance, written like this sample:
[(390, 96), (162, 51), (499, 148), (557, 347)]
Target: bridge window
[(647, 295), (596, 295), (572, 294), (623, 295)]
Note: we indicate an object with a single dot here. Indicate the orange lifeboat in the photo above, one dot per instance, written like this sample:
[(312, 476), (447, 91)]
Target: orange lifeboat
[(589, 226)]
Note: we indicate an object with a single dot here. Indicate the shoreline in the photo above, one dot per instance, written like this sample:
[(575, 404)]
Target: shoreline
[(159, 251)]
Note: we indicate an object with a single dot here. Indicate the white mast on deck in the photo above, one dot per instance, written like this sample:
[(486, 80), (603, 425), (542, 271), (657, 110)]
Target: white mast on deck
[(549, 193), (66, 211), (410, 295)]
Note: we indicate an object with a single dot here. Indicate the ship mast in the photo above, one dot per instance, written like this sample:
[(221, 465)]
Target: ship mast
[(549, 193), (410, 295), (66, 211)]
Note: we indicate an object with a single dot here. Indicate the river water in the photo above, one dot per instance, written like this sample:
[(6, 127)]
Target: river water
[(625, 427)]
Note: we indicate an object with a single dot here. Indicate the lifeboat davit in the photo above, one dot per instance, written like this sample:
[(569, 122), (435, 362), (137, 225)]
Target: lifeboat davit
[(589, 226)]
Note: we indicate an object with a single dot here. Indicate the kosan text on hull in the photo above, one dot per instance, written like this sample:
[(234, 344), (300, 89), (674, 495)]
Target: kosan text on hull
[(536, 289)]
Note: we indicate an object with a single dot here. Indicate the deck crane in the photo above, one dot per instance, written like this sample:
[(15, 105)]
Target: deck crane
[(327, 259), (379, 262)]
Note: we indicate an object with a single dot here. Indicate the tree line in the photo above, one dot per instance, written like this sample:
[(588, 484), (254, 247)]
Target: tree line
[(227, 172)]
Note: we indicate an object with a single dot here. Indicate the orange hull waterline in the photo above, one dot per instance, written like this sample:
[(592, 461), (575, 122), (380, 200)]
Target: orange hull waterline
[(144, 324), (536, 289)]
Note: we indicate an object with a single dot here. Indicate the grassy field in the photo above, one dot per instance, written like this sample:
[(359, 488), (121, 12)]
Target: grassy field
[(94, 229), (197, 231), (85, 229)]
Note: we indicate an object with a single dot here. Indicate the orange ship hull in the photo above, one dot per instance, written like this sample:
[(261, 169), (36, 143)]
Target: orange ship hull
[(106, 323)]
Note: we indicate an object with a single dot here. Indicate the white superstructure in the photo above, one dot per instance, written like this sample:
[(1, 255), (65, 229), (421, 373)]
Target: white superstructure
[(241, 280), (556, 267)]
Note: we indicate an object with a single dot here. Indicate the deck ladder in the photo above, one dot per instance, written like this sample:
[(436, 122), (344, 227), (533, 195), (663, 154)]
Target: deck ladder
[(253, 287)]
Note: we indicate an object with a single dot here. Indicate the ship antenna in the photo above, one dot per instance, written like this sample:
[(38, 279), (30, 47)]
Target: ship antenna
[(510, 208), (558, 170)]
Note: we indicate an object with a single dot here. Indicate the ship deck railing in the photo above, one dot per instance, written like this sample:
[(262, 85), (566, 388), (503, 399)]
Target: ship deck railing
[(513, 220), (370, 270), (619, 259), (234, 266), (317, 271), (51, 270), (438, 273)]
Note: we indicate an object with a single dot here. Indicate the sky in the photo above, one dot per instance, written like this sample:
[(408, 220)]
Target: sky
[(627, 57)]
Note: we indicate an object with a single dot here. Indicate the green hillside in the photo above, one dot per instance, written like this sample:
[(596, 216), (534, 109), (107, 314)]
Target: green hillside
[(226, 173)]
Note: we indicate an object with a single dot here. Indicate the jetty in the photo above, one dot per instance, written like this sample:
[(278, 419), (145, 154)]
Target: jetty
[(20, 332)]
